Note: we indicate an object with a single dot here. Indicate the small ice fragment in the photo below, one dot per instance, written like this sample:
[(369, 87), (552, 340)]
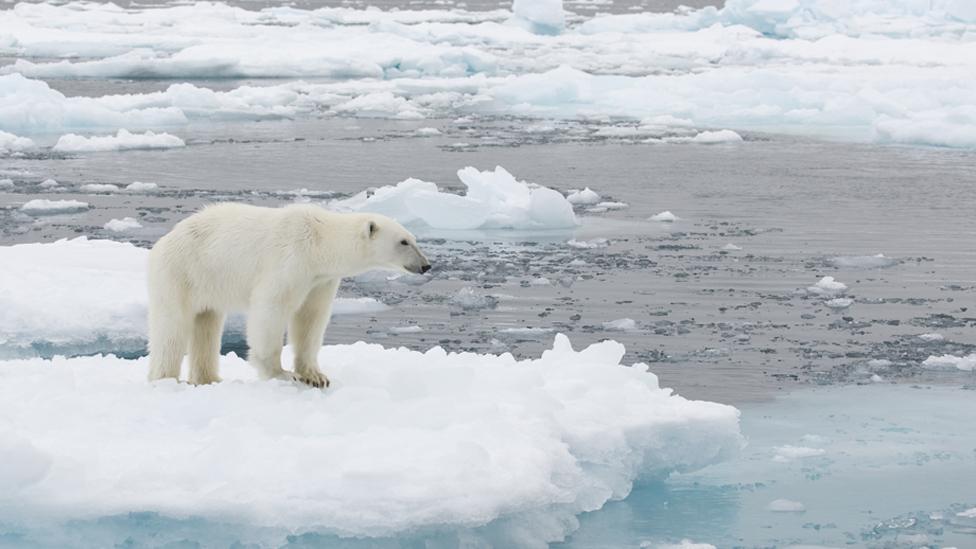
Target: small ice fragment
[(585, 197), (621, 325), (948, 362), (877, 261), (839, 303), (731, 247), (931, 337), (879, 363), (140, 187), (358, 305), (665, 217), (427, 132), (716, 137), (48, 184), (875, 378), (787, 453), (541, 281), (98, 188), (577, 263), (588, 244), (42, 206), (613, 205), (6, 183), (827, 286), (122, 141), (968, 513), (527, 331), (470, 300), (122, 225), (406, 329), (785, 506)]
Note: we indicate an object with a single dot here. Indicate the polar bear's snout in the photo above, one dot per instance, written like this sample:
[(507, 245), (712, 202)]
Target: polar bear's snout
[(418, 264)]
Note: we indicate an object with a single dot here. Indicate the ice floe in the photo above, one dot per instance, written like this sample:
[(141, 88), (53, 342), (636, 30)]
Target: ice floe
[(588, 244), (122, 225), (494, 200), (141, 187), (877, 261), (665, 217), (786, 506), (10, 143), (122, 141), (480, 447), (82, 295), (99, 188), (621, 325), (539, 16), (586, 197), (788, 453), (950, 362), (43, 206), (828, 287)]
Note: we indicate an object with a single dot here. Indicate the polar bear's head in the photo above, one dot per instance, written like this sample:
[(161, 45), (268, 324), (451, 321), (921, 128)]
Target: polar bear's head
[(388, 245)]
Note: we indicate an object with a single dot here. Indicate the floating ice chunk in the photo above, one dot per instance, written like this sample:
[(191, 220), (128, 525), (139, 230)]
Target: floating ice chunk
[(715, 137), (122, 225), (585, 197), (879, 363), (540, 281), (948, 362), (42, 206), (403, 441), (48, 184), (931, 337), (827, 286), (531, 331), (539, 16), (588, 244), (612, 205), (413, 329), (97, 188), (839, 303), (731, 247), (140, 187), (122, 141), (469, 299), (786, 506), (664, 217), (427, 132), (621, 325), (85, 294), (683, 544), (6, 183), (10, 143), (494, 200), (787, 453), (862, 261), (968, 513)]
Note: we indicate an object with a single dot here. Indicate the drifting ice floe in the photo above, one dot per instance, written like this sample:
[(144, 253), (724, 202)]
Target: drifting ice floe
[(43, 206), (122, 141), (949, 362), (10, 143), (122, 225), (827, 287), (84, 295), (862, 261), (664, 217), (494, 200), (487, 448), (586, 197), (786, 506)]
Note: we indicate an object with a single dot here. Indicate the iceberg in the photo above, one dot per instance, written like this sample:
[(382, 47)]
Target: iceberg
[(489, 449), (494, 200)]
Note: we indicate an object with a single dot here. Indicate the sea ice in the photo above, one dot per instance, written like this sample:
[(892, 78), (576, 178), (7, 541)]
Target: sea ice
[(85, 294), (477, 447), (931, 337), (683, 544), (140, 187), (586, 197), (612, 205), (787, 453), (48, 184), (494, 200), (122, 225), (827, 286), (731, 247), (469, 299), (786, 506), (43, 206), (948, 362), (539, 16), (665, 217), (97, 188), (6, 183), (839, 302), (10, 143), (588, 244), (862, 261), (122, 141), (621, 325)]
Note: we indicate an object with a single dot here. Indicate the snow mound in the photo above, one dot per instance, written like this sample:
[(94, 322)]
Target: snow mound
[(122, 225), (83, 296), (43, 206), (402, 441), (949, 362), (122, 141), (494, 200)]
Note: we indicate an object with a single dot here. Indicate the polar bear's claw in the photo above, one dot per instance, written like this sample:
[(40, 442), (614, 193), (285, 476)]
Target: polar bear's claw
[(314, 378)]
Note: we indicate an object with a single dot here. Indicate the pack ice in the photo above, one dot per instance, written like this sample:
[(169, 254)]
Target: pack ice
[(893, 71)]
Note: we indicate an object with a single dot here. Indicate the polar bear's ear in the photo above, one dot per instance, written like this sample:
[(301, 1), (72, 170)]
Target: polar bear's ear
[(371, 231)]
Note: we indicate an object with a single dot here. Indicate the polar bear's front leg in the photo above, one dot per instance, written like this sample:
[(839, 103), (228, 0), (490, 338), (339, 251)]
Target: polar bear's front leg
[(307, 329), (266, 321)]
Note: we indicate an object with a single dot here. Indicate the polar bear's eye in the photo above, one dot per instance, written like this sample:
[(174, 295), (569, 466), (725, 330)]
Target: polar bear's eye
[(404, 242)]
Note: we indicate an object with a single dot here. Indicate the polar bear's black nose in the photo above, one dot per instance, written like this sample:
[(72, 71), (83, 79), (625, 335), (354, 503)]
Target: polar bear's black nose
[(424, 268)]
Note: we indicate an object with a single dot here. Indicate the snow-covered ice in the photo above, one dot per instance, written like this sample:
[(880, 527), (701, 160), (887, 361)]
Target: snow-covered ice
[(588, 244), (494, 200), (141, 187), (665, 217), (43, 206), (99, 188), (839, 302), (470, 299), (789, 452), (586, 197), (122, 225), (121, 141), (539, 16), (949, 362), (85, 295), (478, 446), (10, 143), (786, 506), (827, 287), (932, 336)]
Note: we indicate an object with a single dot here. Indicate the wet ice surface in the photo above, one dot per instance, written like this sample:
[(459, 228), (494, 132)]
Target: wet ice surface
[(714, 321)]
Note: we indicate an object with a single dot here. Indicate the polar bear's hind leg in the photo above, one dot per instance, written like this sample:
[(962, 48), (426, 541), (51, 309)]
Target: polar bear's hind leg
[(205, 347), (168, 337)]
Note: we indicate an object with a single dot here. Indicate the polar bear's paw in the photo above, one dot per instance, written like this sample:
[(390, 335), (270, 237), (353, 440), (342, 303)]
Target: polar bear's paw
[(314, 378)]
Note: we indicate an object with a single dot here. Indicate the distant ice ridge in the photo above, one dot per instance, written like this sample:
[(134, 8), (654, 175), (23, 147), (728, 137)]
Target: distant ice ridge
[(494, 200), (81, 295), (122, 141), (489, 449)]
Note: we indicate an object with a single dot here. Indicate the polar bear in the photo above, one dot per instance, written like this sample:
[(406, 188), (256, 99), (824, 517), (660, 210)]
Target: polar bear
[(281, 265)]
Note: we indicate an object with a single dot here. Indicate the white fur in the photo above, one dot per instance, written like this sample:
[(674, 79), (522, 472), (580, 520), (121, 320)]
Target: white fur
[(281, 265)]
